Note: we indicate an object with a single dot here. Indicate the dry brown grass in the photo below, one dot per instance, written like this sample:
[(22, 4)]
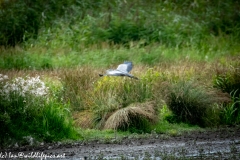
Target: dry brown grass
[(124, 116), (83, 119), (76, 83)]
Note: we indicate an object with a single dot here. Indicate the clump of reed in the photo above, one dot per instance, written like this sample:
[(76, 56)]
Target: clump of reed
[(133, 116)]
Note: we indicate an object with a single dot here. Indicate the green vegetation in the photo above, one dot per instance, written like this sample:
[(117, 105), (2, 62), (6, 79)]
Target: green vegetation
[(188, 102), (186, 55), (27, 109)]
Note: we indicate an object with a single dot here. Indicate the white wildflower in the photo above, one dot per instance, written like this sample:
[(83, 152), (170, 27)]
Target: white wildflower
[(5, 77), (31, 85)]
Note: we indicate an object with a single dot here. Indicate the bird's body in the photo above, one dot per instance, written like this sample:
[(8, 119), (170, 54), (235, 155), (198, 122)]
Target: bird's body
[(122, 70)]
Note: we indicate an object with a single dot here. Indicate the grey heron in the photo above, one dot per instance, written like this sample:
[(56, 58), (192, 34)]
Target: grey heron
[(122, 70)]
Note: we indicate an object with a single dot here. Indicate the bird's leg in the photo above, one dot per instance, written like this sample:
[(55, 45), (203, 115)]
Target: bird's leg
[(115, 132)]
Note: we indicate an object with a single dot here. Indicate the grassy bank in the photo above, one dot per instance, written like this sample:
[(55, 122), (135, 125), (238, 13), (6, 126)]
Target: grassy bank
[(186, 55)]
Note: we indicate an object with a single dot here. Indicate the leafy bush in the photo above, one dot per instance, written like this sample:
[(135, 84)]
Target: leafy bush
[(188, 102), (171, 23), (27, 110), (124, 32), (23, 19)]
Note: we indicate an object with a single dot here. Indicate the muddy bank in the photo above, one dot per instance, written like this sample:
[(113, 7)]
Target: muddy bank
[(218, 144)]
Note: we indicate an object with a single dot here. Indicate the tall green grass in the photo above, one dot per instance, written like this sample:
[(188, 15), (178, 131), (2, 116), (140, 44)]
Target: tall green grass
[(188, 102), (227, 79), (99, 34), (230, 113), (41, 58)]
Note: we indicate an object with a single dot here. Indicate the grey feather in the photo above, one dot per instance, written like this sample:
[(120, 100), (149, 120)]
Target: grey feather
[(122, 70), (125, 67)]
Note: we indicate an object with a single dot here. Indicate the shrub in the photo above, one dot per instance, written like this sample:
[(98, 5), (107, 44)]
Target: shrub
[(188, 102), (27, 109), (123, 32), (123, 89), (18, 19), (172, 24), (23, 19)]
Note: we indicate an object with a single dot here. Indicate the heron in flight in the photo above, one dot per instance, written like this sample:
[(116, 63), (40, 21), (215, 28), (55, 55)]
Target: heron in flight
[(122, 70)]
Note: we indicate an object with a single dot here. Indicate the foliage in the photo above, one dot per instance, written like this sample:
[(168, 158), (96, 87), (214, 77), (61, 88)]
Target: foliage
[(113, 93), (76, 83), (26, 111), (168, 123), (106, 95), (231, 112), (228, 80), (23, 19), (79, 39), (188, 102), (228, 77), (56, 123), (170, 23)]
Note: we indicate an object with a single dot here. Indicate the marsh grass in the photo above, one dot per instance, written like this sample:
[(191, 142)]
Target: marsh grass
[(112, 97), (228, 76), (227, 79), (97, 100), (132, 116), (76, 83), (106, 97), (178, 49), (189, 102), (230, 114), (57, 123)]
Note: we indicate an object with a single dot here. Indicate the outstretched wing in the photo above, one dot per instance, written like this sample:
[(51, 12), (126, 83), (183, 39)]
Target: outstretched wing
[(125, 67)]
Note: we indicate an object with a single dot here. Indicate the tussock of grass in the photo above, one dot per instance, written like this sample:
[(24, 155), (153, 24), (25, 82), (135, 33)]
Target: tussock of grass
[(83, 119), (123, 117), (188, 102)]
